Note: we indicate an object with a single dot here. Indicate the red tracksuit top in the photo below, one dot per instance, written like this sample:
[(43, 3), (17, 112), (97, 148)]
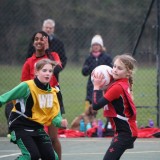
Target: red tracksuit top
[(28, 68), (121, 109)]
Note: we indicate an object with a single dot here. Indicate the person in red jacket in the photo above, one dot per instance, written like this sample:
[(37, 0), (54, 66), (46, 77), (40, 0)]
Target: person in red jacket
[(41, 44), (118, 105)]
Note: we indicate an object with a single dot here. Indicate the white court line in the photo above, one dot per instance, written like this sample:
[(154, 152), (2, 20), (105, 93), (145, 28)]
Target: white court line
[(143, 152), (3, 139), (71, 154), (85, 140), (102, 139), (9, 155)]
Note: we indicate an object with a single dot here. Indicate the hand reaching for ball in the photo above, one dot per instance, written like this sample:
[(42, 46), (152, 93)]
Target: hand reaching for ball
[(98, 81)]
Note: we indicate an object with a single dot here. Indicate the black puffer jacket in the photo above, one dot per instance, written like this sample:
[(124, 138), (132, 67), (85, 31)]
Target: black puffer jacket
[(90, 63)]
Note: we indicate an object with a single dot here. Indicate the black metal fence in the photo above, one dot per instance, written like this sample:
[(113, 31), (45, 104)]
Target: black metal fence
[(119, 22)]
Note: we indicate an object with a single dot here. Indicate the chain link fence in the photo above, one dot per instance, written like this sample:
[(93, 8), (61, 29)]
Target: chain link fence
[(120, 24)]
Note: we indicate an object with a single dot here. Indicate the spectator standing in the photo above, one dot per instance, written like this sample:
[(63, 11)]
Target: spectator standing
[(120, 108), (97, 56), (56, 44)]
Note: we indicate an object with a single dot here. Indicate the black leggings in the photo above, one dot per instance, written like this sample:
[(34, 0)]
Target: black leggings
[(8, 108), (33, 145), (118, 146)]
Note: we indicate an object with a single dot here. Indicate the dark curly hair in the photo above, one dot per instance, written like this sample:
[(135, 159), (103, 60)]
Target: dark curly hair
[(31, 48)]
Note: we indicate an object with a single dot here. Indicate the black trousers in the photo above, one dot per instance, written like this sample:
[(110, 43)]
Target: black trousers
[(118, 146), (34, 145)]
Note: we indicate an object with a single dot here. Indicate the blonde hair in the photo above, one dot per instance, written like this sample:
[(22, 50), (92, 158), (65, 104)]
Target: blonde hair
[(40, 64), (130, 64)]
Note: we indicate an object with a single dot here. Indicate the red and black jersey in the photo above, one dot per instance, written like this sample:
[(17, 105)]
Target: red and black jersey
[(28, 68), (118, 106), (121, 109)]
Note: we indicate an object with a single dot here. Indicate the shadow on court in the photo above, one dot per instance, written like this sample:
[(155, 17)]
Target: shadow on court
[(90, 149)]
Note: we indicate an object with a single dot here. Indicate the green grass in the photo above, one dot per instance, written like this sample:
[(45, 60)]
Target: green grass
[(145, 94), (145, 86), (73, 86)]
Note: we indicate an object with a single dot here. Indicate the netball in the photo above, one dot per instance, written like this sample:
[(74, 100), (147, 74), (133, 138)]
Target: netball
[(105, 70)]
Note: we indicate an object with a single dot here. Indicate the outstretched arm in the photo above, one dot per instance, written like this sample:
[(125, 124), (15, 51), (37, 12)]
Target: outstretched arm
[(16, 93)]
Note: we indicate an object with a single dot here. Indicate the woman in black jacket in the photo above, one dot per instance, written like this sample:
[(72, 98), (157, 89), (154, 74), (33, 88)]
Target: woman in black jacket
[(97, 57)]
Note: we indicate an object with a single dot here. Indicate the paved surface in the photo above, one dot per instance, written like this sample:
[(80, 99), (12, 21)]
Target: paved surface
[(91, 149)]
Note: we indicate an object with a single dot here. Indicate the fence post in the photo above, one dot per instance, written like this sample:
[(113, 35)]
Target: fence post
[(158, 63)]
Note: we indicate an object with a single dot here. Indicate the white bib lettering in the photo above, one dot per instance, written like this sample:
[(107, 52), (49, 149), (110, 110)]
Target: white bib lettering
[(45, 100)]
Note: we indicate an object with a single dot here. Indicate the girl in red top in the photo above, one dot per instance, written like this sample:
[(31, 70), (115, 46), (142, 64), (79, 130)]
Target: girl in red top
[(41, 43), (118, 105)]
